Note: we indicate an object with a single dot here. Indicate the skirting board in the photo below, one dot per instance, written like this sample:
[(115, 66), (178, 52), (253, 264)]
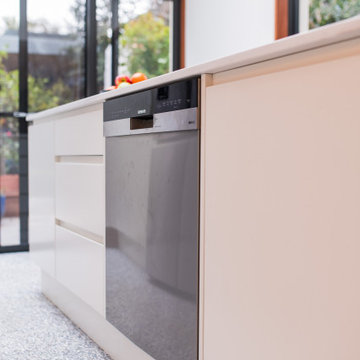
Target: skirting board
[(91, 322)]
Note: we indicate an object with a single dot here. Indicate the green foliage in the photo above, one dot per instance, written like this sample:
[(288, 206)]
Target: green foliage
[(41, 95), (9, 87), (324, 12), (146, 40), (9, 146)]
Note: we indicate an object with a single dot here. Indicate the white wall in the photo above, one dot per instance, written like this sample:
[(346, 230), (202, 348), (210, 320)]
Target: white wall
[(217, 28)]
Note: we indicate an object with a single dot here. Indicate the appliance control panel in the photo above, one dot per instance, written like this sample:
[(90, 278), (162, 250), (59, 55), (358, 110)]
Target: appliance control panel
[(170, 97)]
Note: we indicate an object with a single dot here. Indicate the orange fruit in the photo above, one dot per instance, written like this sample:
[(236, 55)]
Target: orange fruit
[(137, 77)]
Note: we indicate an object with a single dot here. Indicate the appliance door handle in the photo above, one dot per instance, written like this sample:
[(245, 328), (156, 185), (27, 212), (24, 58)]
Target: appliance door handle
[(141, 122)]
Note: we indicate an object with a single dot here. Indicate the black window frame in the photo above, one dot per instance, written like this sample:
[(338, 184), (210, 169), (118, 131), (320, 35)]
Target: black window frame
[(293, 16), (90, 88)]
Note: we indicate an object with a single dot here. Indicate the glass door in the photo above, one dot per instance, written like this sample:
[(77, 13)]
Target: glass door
[(145, 37), (13, 135), (10, 195)]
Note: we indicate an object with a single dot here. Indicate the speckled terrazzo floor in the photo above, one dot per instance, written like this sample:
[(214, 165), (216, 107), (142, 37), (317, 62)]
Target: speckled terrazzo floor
[(31, 327)]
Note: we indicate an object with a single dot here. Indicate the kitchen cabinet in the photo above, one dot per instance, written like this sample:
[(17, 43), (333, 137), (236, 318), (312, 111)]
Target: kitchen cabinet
[(281, 215), (80, 267), (67, 202), (80, 132), (80, 195), (279, 203)]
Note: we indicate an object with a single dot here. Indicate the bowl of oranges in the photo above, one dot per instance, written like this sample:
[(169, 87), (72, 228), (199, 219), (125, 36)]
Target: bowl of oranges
[(122, 80)]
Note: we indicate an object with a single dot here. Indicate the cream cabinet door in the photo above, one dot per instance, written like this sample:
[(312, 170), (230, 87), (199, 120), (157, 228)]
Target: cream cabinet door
[(80, 267), (80, 197), (42, 195), (282, 215), (80, 132)]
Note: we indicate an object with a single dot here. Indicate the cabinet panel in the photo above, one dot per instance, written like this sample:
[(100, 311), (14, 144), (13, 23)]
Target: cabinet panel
[(42, 195), (80, 267), (80, 133), (80, 196), (282, 211)]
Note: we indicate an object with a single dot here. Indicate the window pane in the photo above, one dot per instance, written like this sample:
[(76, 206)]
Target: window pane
[(9, 182), (9, 50), (56, 52), (322, 12), (103, 18), (145, 36)]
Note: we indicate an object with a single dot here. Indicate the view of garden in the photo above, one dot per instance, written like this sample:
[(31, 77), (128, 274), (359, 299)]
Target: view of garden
[(144, 40)]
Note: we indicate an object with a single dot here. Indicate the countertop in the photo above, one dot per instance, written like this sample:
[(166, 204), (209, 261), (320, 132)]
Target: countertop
[(326, 35)]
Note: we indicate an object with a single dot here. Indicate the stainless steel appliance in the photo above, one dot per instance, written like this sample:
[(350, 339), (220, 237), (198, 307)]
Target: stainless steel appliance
[(152, 210)]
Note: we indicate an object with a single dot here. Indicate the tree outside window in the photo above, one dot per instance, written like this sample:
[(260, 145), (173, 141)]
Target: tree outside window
[(322, 12)]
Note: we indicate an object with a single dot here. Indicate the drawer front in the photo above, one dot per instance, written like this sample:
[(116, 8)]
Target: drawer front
[(80, 197), (80, 133), (80, 267)]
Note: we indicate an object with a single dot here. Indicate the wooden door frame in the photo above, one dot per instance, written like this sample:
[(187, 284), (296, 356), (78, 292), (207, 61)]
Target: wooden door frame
[(281, 19)]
